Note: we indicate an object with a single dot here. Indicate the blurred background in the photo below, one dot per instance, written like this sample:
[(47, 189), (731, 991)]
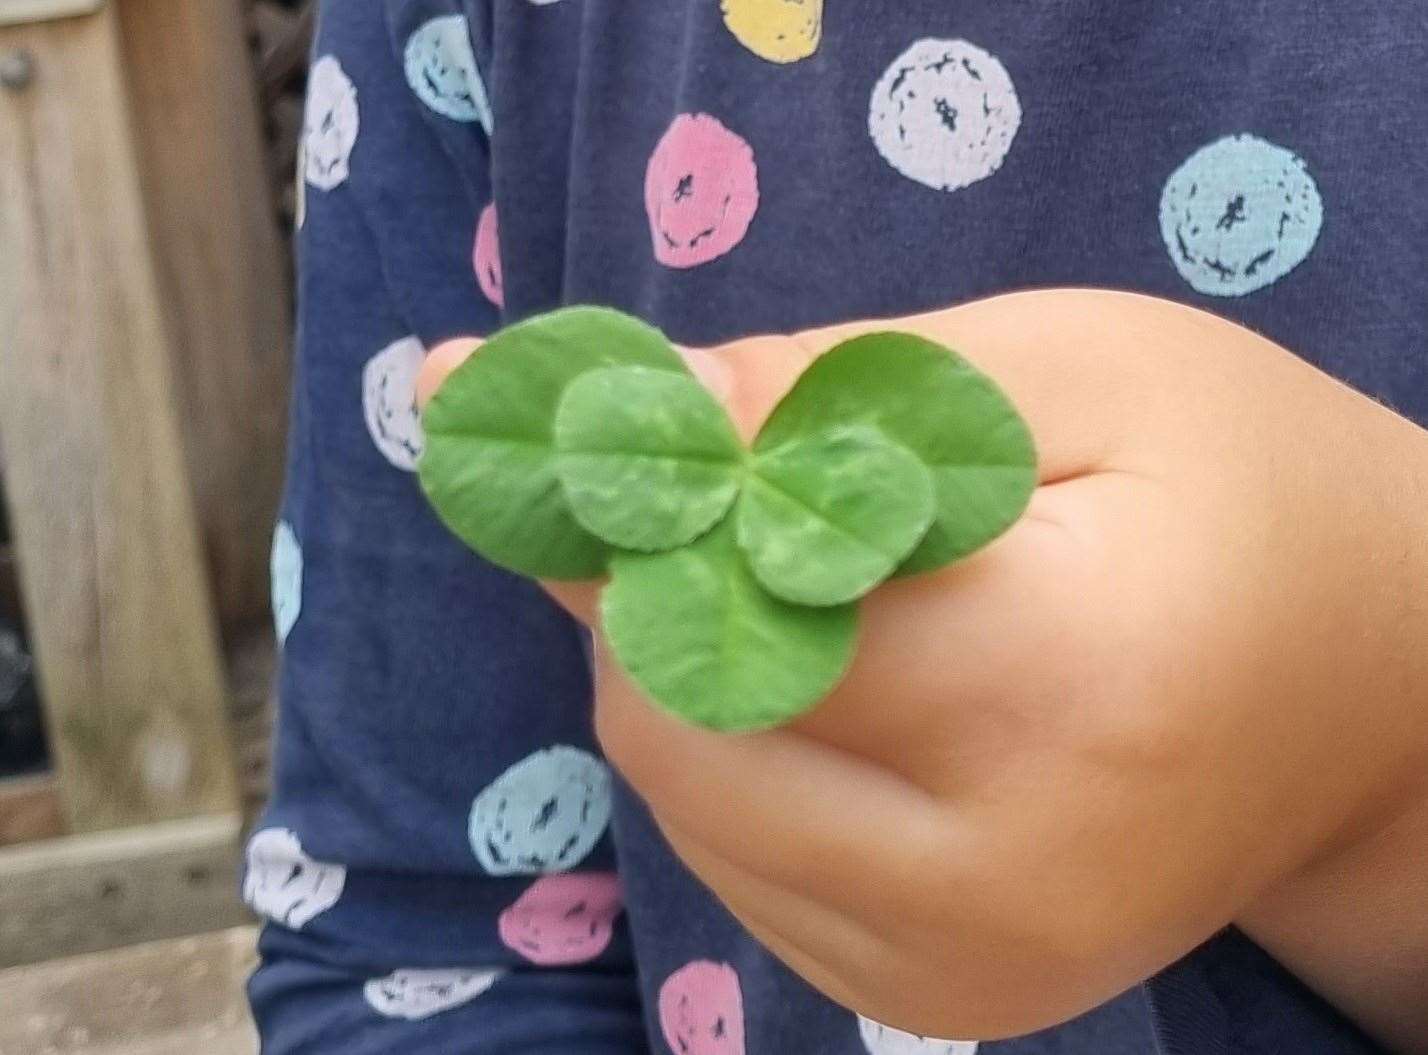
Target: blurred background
[(147, 159)]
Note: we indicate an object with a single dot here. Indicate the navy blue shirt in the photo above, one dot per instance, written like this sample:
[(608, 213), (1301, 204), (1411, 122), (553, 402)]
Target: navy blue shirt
[(447, 864)]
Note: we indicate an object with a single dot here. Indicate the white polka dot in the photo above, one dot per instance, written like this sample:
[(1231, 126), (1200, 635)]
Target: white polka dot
[(300, 189), (441, 69), (284, 884), (413, 993), (285, 567), (389, 402), (544, 814), (945, 114), (330, 124), (885, 1040)]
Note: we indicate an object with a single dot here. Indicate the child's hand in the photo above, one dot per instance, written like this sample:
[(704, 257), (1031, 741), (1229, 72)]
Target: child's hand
[(1189, 687)]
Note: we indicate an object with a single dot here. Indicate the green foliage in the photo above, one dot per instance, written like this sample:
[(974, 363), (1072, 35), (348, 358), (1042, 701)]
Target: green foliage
[(941, 408), (489, 464), (648, 460), (700, 635), (577, 444), (825, 518)]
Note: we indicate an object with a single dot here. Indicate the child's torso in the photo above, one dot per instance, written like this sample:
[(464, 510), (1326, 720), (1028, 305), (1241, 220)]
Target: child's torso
[(767, 165)]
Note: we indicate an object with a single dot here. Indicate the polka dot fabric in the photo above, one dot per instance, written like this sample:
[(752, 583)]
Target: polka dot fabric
[(447, 865), (701, 191), (544, 814)]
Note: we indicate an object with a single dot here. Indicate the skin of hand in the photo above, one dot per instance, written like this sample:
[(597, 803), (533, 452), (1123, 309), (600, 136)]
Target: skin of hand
[(1188, 688)]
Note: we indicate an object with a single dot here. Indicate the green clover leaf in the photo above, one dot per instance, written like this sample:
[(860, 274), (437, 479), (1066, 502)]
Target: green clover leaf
[(649, 461), (701, 636), (489, 464), (824, 518), (578, 443), (940, 407)]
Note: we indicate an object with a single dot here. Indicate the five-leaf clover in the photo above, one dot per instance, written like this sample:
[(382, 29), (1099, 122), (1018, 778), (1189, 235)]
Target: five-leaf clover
[(577, 444)]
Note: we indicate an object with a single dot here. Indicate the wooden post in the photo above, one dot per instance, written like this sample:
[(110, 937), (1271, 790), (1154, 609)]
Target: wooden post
[(111, 574), (221, 276)]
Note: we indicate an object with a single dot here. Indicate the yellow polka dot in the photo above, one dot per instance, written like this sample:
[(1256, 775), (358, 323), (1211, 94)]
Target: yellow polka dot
[(777, 30)]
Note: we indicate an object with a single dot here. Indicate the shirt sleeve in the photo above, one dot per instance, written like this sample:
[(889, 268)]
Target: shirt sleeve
[(434, 868)]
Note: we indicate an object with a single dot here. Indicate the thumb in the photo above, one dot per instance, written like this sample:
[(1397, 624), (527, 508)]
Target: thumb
[(578, 598), (748, 376), (439, 364)]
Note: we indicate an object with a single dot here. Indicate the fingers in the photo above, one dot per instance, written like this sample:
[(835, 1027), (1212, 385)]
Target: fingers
[(748, 376), (802, 808), (751, 375), (440, 361), (978, 656), (1080, 366), (580, 599), (711, 370)]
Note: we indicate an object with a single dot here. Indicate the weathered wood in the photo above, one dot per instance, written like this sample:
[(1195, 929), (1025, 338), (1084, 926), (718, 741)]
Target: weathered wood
[(252, 662), (180, 997), (36, 10), (286, 114), (9, 577), (29, 810), (111, 575), (222, 276), (284, 35), (85, 893)]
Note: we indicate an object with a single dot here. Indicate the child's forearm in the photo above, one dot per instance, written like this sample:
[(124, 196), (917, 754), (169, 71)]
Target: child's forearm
[(1354, 923)]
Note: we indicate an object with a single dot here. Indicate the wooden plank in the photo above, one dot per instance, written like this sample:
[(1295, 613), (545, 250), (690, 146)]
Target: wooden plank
[(29, 810), (39, 10), (86, 893), (222, 276), (164, 998), (112, 581)]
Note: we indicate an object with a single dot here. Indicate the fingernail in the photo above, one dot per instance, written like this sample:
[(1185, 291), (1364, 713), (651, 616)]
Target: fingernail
[(712, 372)]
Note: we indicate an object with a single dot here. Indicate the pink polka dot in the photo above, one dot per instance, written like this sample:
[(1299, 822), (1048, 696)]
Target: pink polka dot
[(486, 257), (701, 1010), (563, 919), (701, 191)]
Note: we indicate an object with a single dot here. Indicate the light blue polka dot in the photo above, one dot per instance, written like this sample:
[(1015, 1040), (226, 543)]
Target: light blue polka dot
[(441, 69), (286, 567), (1239, 215), (544, 814)]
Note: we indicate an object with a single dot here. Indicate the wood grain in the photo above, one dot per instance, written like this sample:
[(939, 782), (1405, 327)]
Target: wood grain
[(112, 580), (29, 809), (181, 997), (222, 277), (85, 893), (38, 10)]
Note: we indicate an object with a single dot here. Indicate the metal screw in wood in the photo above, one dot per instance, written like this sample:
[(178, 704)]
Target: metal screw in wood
[(17, 69)]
